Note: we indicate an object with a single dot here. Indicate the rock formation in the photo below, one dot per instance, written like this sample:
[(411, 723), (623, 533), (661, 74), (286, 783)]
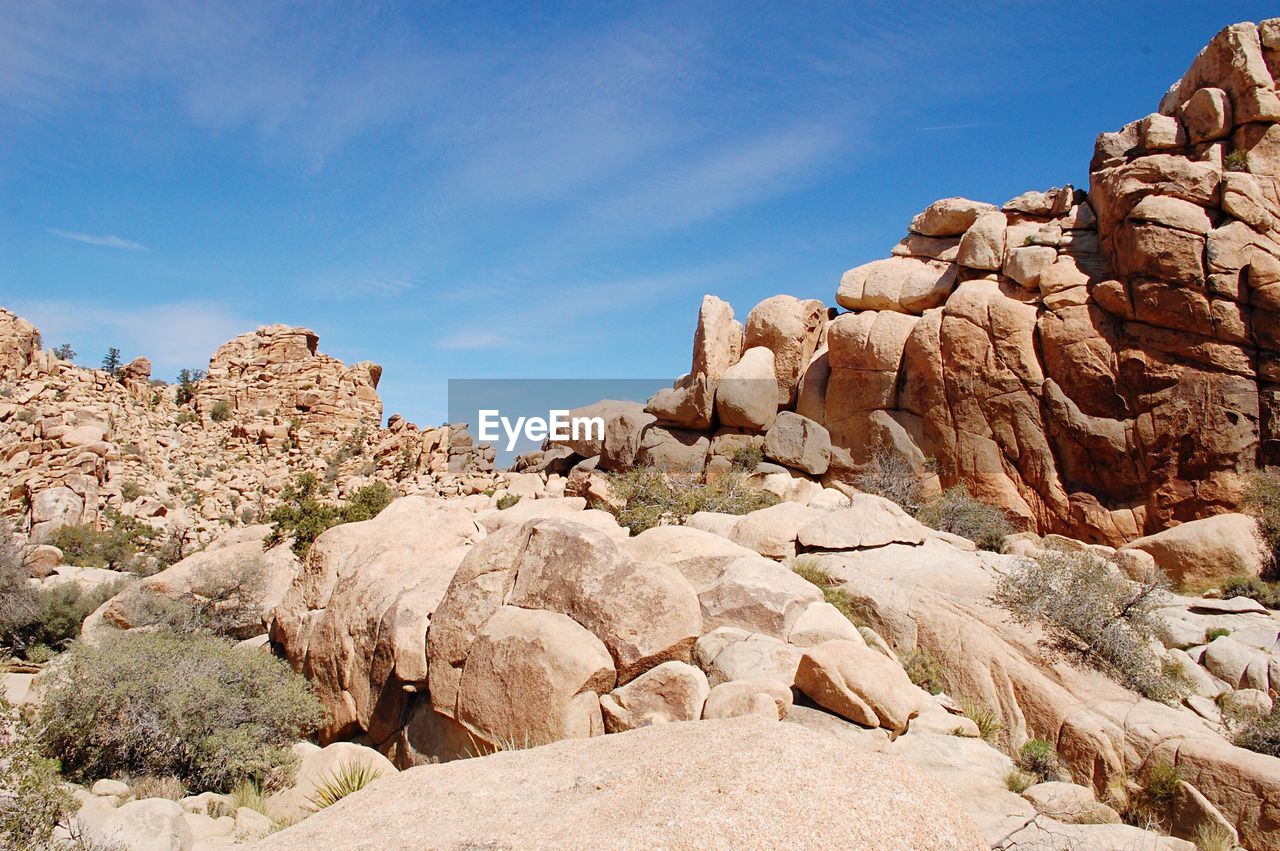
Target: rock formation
[(78, 443), (1100, 363)]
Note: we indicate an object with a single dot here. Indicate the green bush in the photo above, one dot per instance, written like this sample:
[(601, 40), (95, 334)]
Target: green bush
[(1161, 782), (33, 800), (1261, 733), (303, 516), (1215, 632), (119, 546), (747, 458), (1266, 593), (1236, 161), (193, 707), (957, 512), (987, 719), (64, 608), (223, 600), (1038, 757), (1096, 612), (507, 500), (648, 496), (220, 412), (187, 381), (891, 476), (130, 490), (346, 778), (925, 671)]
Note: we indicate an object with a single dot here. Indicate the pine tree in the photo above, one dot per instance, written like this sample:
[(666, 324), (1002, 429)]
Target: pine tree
[(111, 360), (65, 352)]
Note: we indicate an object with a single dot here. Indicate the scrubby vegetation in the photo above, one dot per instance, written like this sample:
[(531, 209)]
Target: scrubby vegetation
[(346, 778), (1039, 759), (809, 570), (222, 601), (122, 544), (1262, 501), (747, 458), (646, 496), (1260, 733), (958, 512), (1266, 593), (1095, 611), (988, 720), (1216, 632), (304, 516), (1236, 161), (196, 708), (187, 381), (507, 500), (891, 476), (925, 670), (220, 412), (33, 800)]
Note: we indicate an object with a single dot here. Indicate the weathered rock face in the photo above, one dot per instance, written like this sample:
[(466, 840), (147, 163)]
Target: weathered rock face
[(1103, 364), (742, 783)]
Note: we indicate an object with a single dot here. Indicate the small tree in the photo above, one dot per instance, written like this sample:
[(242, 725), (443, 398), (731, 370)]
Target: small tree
[(65, 352), (111, 360), (187, 381)]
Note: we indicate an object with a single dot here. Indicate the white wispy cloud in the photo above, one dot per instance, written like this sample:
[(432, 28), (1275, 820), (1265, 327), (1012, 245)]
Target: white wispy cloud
[(104, 240), (357, 286)]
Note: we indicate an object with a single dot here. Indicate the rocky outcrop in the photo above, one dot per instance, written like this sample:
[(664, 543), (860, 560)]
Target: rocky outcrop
[(1100, 363), (83, 445), (743, 783)]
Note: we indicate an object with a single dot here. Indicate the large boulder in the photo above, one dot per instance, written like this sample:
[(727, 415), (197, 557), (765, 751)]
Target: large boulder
[(949, 216), (869, 521), (902, 284), (701, 557), (740, 783), (769, 699), (790, 328), (758, 595), (860, 684), (641, 614), (1204, 552), (798, 442), (674, 450), (717, 343), (355, 619), (672, 691), (747, 396), (151, 824)]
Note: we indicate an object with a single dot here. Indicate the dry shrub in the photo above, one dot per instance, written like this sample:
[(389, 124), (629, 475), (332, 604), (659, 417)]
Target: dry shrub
[(1095, 611), (647, 497), (958, 512)]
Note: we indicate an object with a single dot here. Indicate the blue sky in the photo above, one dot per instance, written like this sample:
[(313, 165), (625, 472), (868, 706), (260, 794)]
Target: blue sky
[(518, 190)]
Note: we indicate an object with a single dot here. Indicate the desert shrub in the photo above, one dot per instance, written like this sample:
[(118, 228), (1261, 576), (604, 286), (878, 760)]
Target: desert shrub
[(925, 671), (64, 608), (1215, 632), (1095, 611), (1260, 733), (507, 500), (1212, 836), (1236, 161), (1161, 781), (223, 600), (32, 799), (193, 707), (303, 516), (185, 417), (40, 653), (1266, 593), (987, 719), (647, 496), (26, 415), (367, 502), (150, 786), (346, 778), (1262, 501), (187, 381), (20, 608), (747, 458), (119, 546), (957, 512), (220, 412), (809, 570), (64, 352), (890, 475), (1018, 781), (130, 490), (1038, 757)]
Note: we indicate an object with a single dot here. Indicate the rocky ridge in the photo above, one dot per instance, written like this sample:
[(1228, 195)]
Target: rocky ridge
[(76, 443)]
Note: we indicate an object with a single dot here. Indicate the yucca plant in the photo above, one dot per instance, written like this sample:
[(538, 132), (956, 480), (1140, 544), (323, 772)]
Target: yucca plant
[(346, 778)]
